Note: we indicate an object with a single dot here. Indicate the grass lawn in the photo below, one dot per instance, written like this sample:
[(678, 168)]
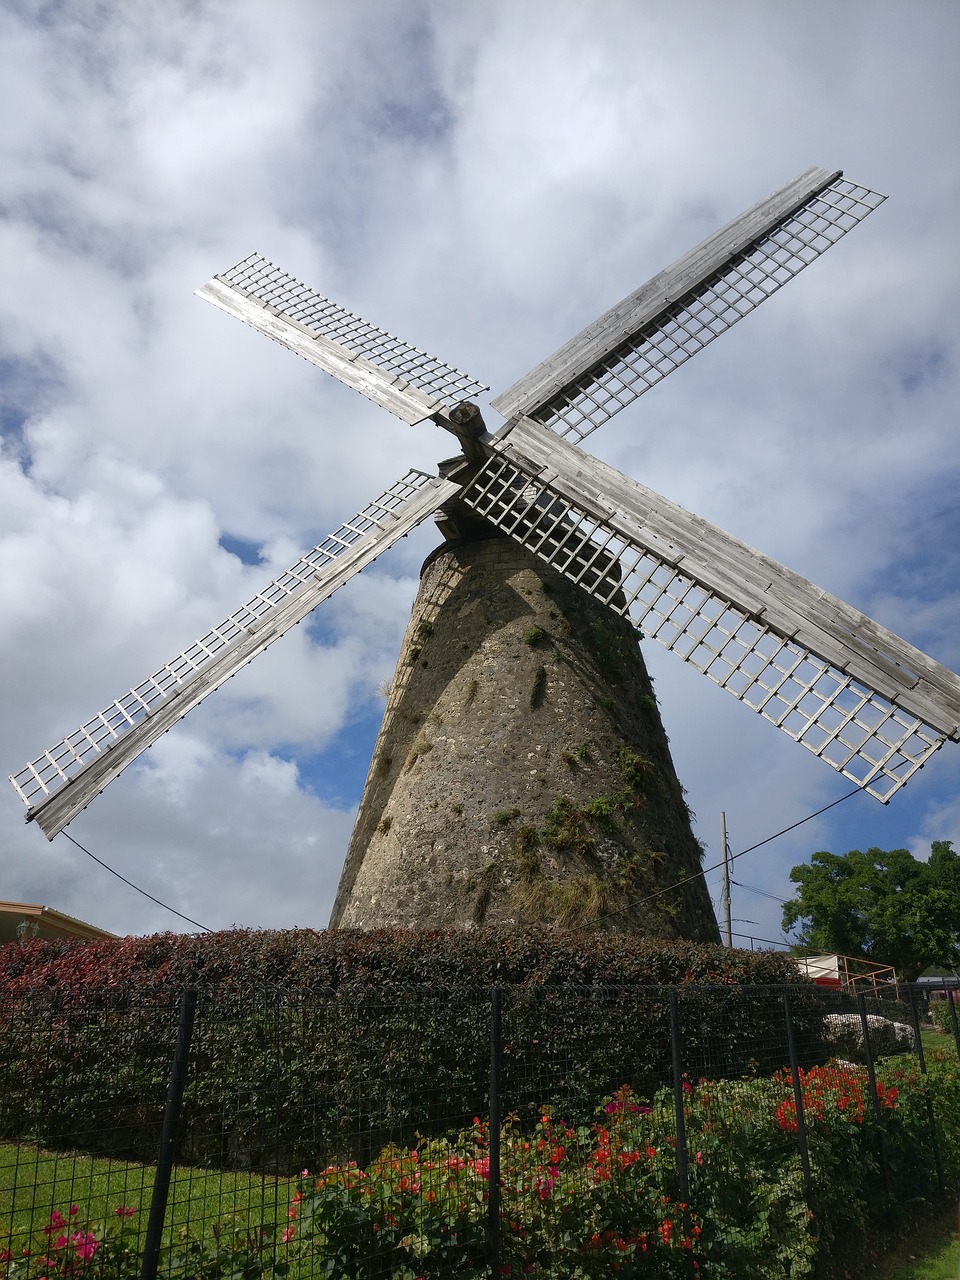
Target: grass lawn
[(34, 1182), (932, 1252), (932, 1039)]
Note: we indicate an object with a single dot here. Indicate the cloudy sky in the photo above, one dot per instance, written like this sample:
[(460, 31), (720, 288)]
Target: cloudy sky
[(483, 179)]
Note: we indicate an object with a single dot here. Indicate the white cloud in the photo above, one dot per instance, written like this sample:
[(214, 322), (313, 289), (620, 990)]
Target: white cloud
[(482, 179)]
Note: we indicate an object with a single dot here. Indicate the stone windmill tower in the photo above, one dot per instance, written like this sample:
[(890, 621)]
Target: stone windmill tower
[(522, 772)]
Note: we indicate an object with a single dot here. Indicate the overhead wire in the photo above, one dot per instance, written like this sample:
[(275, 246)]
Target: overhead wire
[(763, 892), (648, 898), (166, 906), (670, 888)]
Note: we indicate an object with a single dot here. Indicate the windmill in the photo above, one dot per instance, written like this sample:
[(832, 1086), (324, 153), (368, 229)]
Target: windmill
[(538, 531)]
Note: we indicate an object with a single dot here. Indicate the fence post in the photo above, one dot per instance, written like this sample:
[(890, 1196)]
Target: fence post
[(872, 1079), (922, 1063), (683, 1181), (168, 1137), (493, 1151)]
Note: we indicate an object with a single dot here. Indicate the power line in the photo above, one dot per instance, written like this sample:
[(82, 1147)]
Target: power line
[(763, 892), (717, 865), (832, 805), (101, 863), (659, 893)]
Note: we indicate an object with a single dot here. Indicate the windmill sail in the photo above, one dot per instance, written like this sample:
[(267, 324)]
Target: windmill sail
[(859, 697), (853, 693), (637, 343), (61, 782), (406, 381)]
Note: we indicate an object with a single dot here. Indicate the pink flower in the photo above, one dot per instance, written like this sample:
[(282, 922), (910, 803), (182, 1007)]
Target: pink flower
[(61, 1242), (74, 1211), (288, 1235), (123, 1212), (86, 1245), (56, 1220)]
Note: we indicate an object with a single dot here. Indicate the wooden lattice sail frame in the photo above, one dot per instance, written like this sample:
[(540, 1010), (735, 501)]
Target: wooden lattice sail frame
[(866, 702)]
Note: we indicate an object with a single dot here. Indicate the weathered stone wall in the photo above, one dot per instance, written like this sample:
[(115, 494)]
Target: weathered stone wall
[(522, 773)]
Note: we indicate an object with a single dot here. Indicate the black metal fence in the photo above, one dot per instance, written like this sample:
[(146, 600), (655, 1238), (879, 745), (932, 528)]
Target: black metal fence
[(549, 1131)]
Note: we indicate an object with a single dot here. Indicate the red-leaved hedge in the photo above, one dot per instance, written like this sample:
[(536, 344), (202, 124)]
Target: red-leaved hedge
[(310, 1045), (305, 959)]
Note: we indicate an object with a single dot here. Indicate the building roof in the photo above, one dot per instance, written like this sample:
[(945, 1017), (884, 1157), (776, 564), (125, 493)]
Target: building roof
[(26, 920)]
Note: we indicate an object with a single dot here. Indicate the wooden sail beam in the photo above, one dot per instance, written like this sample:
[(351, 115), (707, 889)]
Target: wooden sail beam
[(665, 322), (398, 377), (62, 781), (860, 697)]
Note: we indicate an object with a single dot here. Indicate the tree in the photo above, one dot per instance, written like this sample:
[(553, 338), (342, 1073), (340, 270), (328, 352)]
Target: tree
[(889, 908)]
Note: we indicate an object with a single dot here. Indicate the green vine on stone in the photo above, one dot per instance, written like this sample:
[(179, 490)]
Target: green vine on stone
[(633, 768)]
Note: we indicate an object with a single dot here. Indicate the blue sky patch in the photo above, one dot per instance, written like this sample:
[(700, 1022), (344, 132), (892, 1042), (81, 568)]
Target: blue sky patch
[(247, 552)]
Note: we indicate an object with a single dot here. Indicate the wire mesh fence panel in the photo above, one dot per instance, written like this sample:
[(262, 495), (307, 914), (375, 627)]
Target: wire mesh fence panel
[(369, 1132), (637, 1122), (78, 1127), (586, 1185), (298, 1134), (338, 1115)]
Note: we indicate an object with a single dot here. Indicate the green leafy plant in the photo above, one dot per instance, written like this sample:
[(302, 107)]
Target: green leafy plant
[(302, 1014)]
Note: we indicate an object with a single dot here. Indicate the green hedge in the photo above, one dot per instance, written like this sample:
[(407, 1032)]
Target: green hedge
[(305, 959), (314, 1046)]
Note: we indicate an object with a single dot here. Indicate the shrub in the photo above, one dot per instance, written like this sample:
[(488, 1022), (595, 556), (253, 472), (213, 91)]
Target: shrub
[(940, 1014), (585, 1200), (314, 1046), (592, 1199)]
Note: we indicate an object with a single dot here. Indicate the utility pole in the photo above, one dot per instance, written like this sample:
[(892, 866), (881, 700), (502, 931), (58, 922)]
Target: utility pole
[(725, 897)]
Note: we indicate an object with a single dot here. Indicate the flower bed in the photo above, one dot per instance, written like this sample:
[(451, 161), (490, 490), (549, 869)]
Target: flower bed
[(595, 1199)]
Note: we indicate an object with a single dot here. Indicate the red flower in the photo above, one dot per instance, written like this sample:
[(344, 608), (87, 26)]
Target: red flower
[(86, 1245)]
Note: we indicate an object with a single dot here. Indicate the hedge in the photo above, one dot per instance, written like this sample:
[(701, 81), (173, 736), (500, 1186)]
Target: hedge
[(317, 1046), (305, 959)]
